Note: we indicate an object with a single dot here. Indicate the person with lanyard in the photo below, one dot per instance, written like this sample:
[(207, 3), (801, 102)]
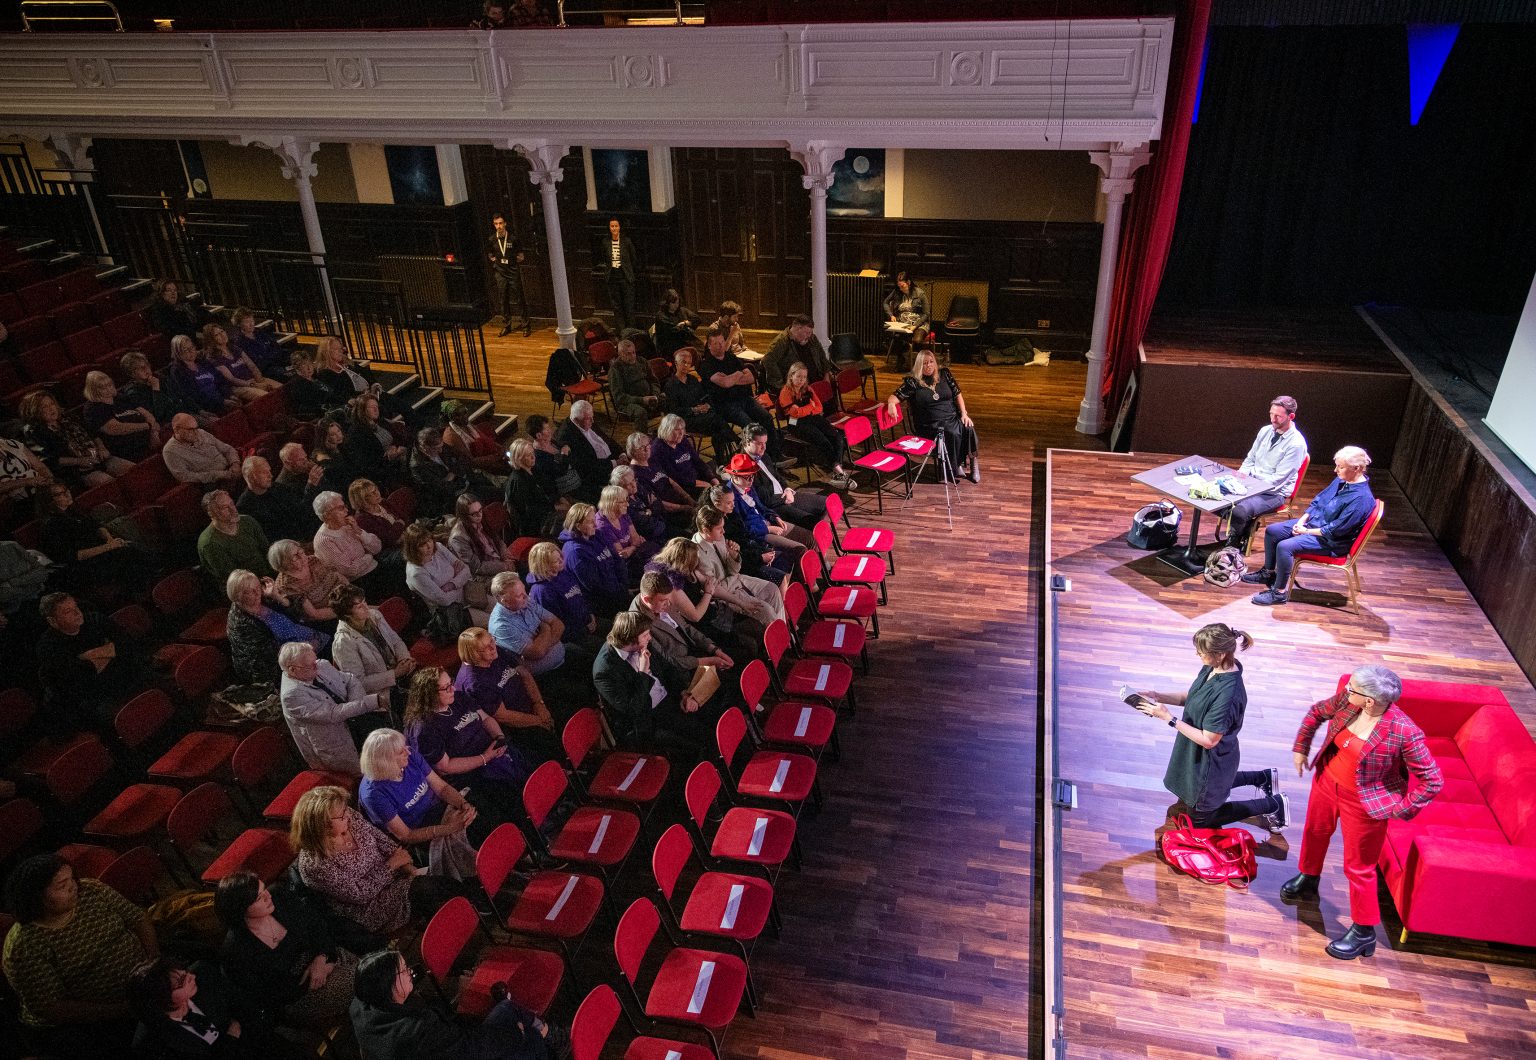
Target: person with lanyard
[(506, 254), (1275, 457), (1329, 525), (621, 274), (938, 411)]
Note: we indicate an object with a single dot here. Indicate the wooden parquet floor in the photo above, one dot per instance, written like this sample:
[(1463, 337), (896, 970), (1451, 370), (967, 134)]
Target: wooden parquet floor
[(1158, 964)]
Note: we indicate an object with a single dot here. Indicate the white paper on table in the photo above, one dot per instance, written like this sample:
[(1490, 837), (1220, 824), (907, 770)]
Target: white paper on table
[(701, 988), (837, 634), (859, 568), (779, 775), (759, 830), (804, 722), (565, 896), (732, 907), (602, 830), (821, 677), (633, 773), (853, 596)]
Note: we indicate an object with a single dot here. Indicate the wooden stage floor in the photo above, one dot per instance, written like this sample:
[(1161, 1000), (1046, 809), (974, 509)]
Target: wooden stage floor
[(1158, 964)]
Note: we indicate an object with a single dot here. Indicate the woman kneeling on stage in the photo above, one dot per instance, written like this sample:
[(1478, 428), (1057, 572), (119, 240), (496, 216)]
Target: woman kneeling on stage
[(1359, 782), (938, 408), (1202, 770)]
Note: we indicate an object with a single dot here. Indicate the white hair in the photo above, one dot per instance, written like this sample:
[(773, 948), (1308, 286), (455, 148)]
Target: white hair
[(377, 760), (1378, 682), (236, 583), (324, 500), (281, 552), (252, 462), (504, 581), (580, 408), (291, 653), (620, 475), (1353, 456)]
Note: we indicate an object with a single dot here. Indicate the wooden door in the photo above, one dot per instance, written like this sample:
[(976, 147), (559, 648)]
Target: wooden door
[(745, 221)]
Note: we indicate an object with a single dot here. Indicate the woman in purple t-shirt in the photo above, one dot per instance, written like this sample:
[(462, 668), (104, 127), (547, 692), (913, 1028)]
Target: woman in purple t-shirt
[(462, 743), (402, 795), (495, 682)]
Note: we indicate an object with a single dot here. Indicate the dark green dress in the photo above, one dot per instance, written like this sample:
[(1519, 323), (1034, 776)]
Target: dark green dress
[(1215, 703)]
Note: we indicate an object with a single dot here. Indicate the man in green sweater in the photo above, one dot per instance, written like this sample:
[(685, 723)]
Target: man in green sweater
[(635, 394), (230, 541)]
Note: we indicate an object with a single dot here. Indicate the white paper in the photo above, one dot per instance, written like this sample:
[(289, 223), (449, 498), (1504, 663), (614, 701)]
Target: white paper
[(911, 443), (853, 596), (804, 722), (885, 462), (759, 830), (821, 677), (837, 634), (779, 775), (673, 1054), (565, 896), (602, 830), (701, 988), (633, 773), (859, 567), (732, 907)]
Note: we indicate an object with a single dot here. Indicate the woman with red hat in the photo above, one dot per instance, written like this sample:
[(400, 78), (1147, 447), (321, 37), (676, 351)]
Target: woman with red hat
[(740, 474)]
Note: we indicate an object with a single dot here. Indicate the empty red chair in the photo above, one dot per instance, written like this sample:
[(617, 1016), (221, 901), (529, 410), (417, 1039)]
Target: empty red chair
[(591, 835), (619, 776), (41, 297), (559, 905), (282, 805), (792, 723), (200, 673), (29, 333), (125, 330), (183, 596), (17, 709), (728, 905), (859, 539), (257, 757), (849, 380), (197, 756), (746, 834), (88, 347), (532, 976), (46, 363), (265, 852), (402, 503), (818, 678), (79, 284), (495, 519), (782, 776), (699, 988), (848, 570), (599, 1014), (138, 811), (824, 636), (885, 464), (838, 601), (146, 483), (134, 874), (134, 623), (71, 318)]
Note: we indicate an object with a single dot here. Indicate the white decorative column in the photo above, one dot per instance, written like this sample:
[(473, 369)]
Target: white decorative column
[(1119, 166), (817, 158), (297, 157), (74, 151), (546, 173)]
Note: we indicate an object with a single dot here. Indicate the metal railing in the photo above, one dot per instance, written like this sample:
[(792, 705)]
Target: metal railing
[(35, 12), (672, 15), (451, 354), (1058, 795), (375, 320)]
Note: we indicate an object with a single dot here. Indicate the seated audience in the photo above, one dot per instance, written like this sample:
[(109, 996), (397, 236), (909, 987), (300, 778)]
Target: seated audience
[(120, 420), (354, 553), (601, 572), (807, 423), (730, 388), (366, 647), (332, 457), (347, 379), (391, 1022), (495, 682), (762, 522), (260, 347), (68, 958), (646, 693), (87, 553), (696, 597), (721, 560), (304, 584), (675, 324), (728, 320), (673, 635), (146, 391), (370, 448), (72, 455), (173, 317), (616, 527), (523, 627), (1275, 460), (299, 471), (281, 509), (593, 453), (243, 378), (195, 381), (1330, 525), (658, 493), (796, 343), (532, 509), (439, 577), (308, 398), (463, 743), (758, 559), (482, 452), (318, 702), (190, 1012), (230, 541), (83, 674), (373, 517), (281, 954), (688, 398), (551, 462), (256, 630), (555, 588), (402, 795), (635, 394), (800, 509), (906, 303), (470, 541), (194, 455)]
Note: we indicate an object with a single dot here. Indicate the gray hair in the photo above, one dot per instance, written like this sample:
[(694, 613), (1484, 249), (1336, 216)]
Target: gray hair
[(1353, 456), (669, 423), (377, 760), (580, 408), (620, 475), (292, 652), (252, 462), (236, 583), (209, 498), (503, 581), (635, 441), (427, 435), (623, 343), (282, 552), (322, 501), (1378, 682), (290, 448)]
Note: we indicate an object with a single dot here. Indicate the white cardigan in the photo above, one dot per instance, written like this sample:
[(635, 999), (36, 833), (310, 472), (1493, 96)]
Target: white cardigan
[(354, 653)]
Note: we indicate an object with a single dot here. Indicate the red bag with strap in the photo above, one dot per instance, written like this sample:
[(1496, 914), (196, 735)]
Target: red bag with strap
[(1212, 855)]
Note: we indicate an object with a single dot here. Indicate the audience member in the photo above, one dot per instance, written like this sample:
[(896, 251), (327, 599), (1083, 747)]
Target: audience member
[(616, 528), (721, 560), (145, 391), (173, 317), (470, 541), (673, 455), (256, 631), (482, 452), (531, 508), (332, 457), (318, 702), (463, 744), (439, 577), (194, 455), (84, 676), (280, 509), (758, 558), (190, 1012), (592, 453), (259, 346), (741, 473), (370, 448), (438, 474), (493, 15), (68, 958), (402, 795), (647, 693), (308, 398), (634, 393), (673, 635), (728, 320), (1275, 460), (230, 541), (659, 493), (1330, 525), (240, 374), (688, 398), (806, 422), (336, 371), (304, 583), (195, 381), (523, 627), (801, 509), (69, 453), (798, 342), (128, 429), (699, 599), (906, 304), (367, 647), (354, 553), (551, 463), (675, 324), (373, 517), (87, 553), (730, 391), (599, 570), (528, 13), (299, 471), (361, 873), (644, 511), (555, 588), (495, 682)]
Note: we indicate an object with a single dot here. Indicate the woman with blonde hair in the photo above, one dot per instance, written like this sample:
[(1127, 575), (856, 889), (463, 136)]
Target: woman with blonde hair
[(1203, 766), (129, 432), (361, 873), (937, 409), (695, 596), (245, 380), (495, 682), (402, 794), (554, 588), (367, 503), (196, 381), (601, 571), (616, 527), (534, 510), (807, 423), (720, 559)]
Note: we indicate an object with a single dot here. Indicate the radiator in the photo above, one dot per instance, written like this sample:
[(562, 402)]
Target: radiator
[(853, 306), (421, 278)]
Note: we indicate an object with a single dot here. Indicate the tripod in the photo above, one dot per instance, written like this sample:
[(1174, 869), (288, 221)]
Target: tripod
[(945, 466)]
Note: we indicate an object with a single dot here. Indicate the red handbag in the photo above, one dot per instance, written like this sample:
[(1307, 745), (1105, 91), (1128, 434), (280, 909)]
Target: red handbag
[(1212, 855)]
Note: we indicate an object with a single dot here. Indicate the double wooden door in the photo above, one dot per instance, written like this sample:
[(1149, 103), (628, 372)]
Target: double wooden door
[(745, 226)]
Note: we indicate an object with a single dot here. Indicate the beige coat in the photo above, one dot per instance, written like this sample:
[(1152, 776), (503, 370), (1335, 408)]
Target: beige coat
[(754, 597)]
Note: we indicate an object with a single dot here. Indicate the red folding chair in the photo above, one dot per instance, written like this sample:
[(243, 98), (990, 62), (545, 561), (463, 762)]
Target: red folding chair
[(838, 601), (749, 835), (816, 678), (282, 805), (532, 976), (195, 757), (848, 380), (265, 852), (727, 905), (594, 1023), (1347, 561), (591, 835), (179, 595), (791, 723), (557, 905), (884, 464), (824, 636), (766, 775), (848, 570), (698, 988), (859, 539), (618, 776), (138, 811)]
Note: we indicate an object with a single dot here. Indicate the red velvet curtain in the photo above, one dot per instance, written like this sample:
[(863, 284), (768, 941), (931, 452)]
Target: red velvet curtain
[(1147, 233)]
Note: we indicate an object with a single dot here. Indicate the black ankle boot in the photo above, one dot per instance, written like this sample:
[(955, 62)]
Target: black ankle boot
[(1357, 942), (1299, 886)]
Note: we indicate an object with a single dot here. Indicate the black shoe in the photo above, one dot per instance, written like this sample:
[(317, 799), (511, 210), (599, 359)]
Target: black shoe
[(1300, 885), (1270, 782), (1260, 577), (1357, 942), (527, 328), (975, 471), (504, 332), (1277, 821), (1269, 598)]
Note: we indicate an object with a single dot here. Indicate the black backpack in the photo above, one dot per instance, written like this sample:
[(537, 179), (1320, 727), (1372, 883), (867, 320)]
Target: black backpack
[(1155, 527)]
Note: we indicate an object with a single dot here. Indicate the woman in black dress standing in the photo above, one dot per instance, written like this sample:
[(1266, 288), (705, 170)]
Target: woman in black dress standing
[(1203, 768), (938, 408)]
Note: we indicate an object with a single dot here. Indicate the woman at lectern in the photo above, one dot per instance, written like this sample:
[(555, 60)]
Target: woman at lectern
[(938, 410)]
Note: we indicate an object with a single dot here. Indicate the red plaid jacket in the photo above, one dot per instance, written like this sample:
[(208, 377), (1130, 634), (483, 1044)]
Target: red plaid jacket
[(1395, 747)]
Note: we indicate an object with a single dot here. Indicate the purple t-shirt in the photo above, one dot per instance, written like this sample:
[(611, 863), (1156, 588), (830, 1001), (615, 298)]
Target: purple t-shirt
[(410, 798), (492, 687), (457, 734)]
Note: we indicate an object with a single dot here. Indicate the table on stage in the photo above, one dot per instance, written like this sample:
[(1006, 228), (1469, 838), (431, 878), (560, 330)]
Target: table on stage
[(1188, 558)]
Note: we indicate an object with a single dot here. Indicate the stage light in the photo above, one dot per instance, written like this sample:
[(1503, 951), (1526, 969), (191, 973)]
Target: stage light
[(1429, 45)]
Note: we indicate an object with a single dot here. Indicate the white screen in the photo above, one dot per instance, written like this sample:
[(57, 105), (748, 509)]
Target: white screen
[(1512, 415)]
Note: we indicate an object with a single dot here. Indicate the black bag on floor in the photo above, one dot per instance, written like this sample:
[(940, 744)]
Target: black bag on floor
[(1155, 527)]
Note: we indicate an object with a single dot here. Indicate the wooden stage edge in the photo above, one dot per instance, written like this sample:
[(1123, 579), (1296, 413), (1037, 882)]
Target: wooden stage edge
[(1158, 964)]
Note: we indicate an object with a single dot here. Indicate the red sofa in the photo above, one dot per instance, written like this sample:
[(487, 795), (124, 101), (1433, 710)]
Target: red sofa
[(1466, 865)]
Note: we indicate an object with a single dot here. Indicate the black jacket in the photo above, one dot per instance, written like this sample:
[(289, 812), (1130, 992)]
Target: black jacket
[(417, 1031), (283, 512), (594, 472), (627, 692), (436, 485), (269, 979), (531, 508)]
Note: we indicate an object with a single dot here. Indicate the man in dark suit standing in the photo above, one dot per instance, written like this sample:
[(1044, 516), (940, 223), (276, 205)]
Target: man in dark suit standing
[(506, 254), (619, 254)]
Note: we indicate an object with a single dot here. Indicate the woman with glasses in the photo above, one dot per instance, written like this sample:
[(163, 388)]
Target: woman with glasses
[(471, 542), (1359, 783)]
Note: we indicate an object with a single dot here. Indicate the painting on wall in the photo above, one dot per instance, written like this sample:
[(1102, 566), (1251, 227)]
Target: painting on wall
[(413, 176), (623, 181), (858, 184)]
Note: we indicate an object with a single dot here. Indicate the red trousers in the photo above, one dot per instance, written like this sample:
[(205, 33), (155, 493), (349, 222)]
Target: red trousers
[(1329, 806)]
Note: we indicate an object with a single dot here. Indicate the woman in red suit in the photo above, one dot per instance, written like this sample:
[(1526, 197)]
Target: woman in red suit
[(1359, 781)]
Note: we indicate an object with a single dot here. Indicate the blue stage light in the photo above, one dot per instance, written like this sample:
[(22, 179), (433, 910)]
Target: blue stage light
[(1429, 45)]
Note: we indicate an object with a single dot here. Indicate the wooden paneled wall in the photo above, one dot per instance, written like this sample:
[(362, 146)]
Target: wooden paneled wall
[(1480, 515)]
